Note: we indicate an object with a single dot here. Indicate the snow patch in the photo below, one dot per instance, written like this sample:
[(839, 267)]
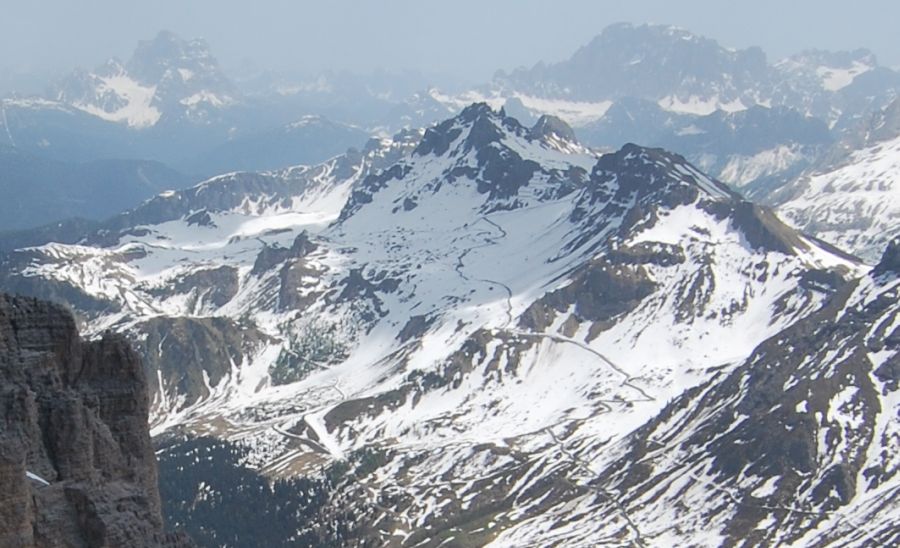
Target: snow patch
[(138, 110)]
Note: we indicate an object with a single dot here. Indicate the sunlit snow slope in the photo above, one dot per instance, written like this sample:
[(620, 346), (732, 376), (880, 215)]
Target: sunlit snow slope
[(855, 206)]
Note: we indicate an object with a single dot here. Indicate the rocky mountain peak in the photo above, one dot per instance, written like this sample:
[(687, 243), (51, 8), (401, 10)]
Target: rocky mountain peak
[(552, 127), (152, 58), (647, 170), (645, 47), (475, 112), (649, 61), (629, 33), (490, 151), (166, 77), (485, 126), (478, 121), (655, 178)]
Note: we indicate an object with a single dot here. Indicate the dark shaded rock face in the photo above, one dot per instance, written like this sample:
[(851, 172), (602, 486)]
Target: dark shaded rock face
[(271, 256), (600, 291), (549, 127), (212, 287), (188, 353), (890, 260), (759, 225), (74, 413)]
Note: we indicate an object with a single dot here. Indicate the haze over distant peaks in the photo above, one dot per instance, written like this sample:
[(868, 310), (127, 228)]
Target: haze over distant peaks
[(166, 77)]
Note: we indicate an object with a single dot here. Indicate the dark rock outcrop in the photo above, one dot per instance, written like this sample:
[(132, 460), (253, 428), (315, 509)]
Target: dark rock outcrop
[(74, 414), (189, 356), (890, 260), (270, 256), (548, 127)]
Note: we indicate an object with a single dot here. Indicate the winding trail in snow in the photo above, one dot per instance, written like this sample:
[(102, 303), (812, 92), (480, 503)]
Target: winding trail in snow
[(336, 386), (581, 463), (560, 339), (628, 379), (327, 445), (509, 293), (494, 240), (489, 240)]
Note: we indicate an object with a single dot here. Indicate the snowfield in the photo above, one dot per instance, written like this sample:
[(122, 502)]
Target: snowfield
[(854, 206)]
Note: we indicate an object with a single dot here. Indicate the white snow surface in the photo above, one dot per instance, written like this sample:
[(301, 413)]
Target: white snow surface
[(574, 113), (855, 206), (700, 106), (34, 477), (743, 169), (134, 101), (835, 79)]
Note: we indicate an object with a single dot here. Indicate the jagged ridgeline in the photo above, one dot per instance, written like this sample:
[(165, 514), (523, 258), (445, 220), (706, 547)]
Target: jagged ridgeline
[(489, 333)]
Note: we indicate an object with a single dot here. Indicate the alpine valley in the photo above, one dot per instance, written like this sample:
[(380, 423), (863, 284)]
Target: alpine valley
[(492, 319)]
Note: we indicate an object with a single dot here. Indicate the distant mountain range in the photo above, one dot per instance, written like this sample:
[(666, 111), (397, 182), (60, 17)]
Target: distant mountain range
[(751, 122), (853, 198), (171, 103), (686, 73), (166, 80)]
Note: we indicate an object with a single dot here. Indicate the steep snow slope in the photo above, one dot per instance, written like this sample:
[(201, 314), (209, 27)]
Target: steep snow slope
[(797, 446), (483, 310), (856, 205), (120, 98)]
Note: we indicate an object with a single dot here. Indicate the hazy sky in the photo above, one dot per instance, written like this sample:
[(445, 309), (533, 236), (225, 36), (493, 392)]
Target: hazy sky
[(467, 38)]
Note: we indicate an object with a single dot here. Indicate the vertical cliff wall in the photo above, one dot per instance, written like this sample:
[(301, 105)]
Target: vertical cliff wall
[(77, 467)]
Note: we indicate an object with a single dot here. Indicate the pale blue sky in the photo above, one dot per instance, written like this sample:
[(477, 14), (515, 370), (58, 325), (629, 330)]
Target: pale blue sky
[(466, 38)]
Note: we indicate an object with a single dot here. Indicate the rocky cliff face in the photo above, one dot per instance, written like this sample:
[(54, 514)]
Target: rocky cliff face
[(77, 468)]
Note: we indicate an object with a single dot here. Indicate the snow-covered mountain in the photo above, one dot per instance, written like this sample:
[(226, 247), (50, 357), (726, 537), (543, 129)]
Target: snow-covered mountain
[(754, 150), (743, 119), (166, 78), (832, 71), (796, 446), (690, 74), (853, 198), (462, 327)]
